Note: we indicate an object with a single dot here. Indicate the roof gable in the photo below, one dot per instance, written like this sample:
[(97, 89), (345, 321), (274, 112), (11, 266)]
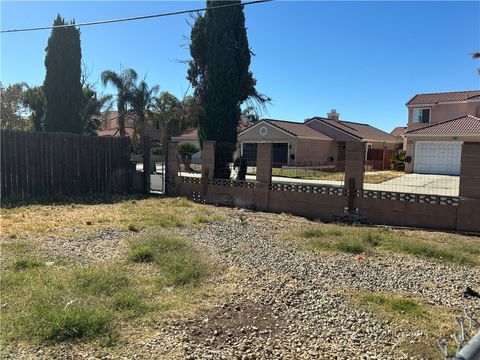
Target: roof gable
[(435, 98), (468, 124), (289, 128), (358, 130)]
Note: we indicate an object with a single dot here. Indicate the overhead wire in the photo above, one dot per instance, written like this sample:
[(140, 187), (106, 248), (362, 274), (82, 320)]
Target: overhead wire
[(133, 18)]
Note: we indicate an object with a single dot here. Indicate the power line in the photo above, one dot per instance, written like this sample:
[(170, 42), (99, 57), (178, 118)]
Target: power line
[(133, 18)]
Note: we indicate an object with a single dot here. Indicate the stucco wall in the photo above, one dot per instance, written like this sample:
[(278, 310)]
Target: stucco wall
[(442, 112), (314, 150)]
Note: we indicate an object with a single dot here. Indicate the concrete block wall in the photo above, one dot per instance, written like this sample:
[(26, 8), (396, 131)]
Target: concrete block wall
[(464, 217), (468, 218)]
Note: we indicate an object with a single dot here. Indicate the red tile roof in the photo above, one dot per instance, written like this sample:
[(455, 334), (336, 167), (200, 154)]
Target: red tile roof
[(444, 97), (468, 124), (115, 132), (398, 131), (297, 129), (192, 133), (359, 130)]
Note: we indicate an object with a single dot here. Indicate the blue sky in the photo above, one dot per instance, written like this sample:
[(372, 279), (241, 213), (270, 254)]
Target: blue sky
[(366, 59)]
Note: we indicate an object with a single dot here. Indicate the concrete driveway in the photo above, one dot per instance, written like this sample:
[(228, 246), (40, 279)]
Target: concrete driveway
[(420, 184)]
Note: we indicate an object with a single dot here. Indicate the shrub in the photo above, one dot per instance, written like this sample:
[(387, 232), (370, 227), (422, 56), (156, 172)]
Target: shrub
[(397, 162), (156, 148), (187, 149)]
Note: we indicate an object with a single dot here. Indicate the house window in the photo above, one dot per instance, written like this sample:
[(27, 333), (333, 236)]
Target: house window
[(421, 116), (157, 124)]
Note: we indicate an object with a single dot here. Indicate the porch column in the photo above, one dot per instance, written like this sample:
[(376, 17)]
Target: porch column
[(468, 214), (264, 175)]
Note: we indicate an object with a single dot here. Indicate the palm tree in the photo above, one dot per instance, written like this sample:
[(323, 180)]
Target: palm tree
[(142, 100), (167, 110), (124, 82), (91, 110)]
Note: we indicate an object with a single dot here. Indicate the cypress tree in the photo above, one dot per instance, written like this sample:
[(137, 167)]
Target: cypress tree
[(62, 86), (219, 72)]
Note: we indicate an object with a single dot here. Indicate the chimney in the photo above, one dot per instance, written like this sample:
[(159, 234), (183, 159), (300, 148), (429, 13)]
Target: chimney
[(333, 115)]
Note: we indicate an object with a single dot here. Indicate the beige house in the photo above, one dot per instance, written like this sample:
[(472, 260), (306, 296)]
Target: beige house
[(438, 124), (314, 142), (293, 143), (110, 126)]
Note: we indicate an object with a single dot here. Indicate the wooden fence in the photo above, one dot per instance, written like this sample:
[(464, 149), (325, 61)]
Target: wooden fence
[(51, 164)]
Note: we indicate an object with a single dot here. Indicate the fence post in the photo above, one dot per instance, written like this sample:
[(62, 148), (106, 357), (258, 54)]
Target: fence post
[(208, 160), (469, 189), (354, 170), (264, 175), (171, 170), (146, 164)]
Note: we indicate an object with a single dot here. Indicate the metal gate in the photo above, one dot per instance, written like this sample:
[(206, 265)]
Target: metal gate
[(157, 168)]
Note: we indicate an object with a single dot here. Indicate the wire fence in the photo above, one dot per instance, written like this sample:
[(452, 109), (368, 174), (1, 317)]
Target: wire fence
[(385, 169), (428, 172)]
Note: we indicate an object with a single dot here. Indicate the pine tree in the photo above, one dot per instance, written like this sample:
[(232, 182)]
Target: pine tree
[(62, 86), (219, 72)]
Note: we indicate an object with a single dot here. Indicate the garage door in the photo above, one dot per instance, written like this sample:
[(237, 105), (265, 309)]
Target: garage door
[(437, 157)]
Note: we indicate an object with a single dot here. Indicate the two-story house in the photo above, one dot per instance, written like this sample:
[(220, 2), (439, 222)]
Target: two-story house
[(438, 124), (153, 129)]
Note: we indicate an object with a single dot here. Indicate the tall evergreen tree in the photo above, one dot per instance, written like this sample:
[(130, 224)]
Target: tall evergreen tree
[(219, 72), (62, 86)]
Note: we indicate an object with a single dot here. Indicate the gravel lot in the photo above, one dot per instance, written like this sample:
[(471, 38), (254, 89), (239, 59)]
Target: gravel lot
[(285, 302)]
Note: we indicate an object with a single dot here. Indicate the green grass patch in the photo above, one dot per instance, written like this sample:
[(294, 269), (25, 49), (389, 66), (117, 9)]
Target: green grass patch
[(100, 280), (27, 263), (141, 254), (178, 262), (128, 300), (55, 323), (206, 219), (356, 240), (395, 304)]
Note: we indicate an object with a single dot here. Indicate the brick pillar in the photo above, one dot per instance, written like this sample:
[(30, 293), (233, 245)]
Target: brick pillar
[(208, 159), (354, 163), (264, 175), (171, 172), (468, 214)]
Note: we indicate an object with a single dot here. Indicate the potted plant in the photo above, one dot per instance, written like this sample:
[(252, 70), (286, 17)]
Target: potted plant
[(186, 150)]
